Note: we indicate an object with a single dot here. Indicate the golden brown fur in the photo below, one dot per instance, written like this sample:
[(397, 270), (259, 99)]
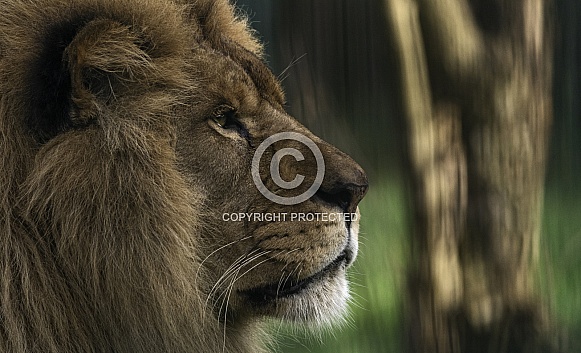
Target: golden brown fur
[(115, 177)]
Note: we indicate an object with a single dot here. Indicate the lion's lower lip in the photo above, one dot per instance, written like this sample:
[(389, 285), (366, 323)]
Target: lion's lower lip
[(276, 291)]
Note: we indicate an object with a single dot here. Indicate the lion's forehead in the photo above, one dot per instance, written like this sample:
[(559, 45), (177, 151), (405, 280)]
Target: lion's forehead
[(220, 80)]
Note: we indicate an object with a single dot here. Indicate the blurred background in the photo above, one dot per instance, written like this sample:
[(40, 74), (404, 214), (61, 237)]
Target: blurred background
[(338, 66)]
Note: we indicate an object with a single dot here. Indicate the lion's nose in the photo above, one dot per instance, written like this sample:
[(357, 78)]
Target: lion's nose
[(346, 196), (345, 182)]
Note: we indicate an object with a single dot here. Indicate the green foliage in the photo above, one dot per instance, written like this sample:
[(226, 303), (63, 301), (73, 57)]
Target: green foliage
[(560, 258)]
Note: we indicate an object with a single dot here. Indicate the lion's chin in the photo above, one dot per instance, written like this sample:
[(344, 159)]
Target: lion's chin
[(320, 298)]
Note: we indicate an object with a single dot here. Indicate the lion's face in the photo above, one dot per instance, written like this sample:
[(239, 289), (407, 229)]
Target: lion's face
[(130, 132), (265, 257)]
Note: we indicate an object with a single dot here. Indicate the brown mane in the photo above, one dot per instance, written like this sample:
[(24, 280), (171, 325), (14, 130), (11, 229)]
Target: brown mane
[(94, 248)]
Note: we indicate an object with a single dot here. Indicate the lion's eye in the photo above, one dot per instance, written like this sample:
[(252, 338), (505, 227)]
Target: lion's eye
[(221, 120), (227, 118)]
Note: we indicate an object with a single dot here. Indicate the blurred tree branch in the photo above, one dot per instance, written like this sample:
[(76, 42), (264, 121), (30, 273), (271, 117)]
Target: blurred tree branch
[(453, 31)]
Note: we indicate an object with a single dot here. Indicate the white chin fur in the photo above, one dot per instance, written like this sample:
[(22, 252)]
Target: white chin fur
[(323, 303)]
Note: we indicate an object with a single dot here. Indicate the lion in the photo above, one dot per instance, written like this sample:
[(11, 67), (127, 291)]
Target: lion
[(130, 216)]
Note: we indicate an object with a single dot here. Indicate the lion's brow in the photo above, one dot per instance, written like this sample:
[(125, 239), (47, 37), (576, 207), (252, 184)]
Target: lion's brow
[(264, 80)]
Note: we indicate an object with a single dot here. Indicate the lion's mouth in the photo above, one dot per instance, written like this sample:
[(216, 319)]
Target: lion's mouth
[(276, 291)]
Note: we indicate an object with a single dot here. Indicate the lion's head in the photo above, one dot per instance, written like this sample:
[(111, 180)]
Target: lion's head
[(137, 214)]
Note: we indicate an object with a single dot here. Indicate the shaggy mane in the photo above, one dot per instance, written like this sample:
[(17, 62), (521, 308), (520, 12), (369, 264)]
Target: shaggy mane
[(96, 253)]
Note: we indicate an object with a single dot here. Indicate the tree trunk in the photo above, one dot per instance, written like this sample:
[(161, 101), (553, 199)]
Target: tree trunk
[(476, 81)]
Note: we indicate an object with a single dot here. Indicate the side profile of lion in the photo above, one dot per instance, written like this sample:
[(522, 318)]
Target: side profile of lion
[(129, 216)]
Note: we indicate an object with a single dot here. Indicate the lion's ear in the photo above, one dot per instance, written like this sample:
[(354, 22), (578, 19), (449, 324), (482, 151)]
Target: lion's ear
[(108, 62), (104, 60), (101, 64)]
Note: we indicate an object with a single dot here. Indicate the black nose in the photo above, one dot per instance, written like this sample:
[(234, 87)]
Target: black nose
[(345, 188)]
